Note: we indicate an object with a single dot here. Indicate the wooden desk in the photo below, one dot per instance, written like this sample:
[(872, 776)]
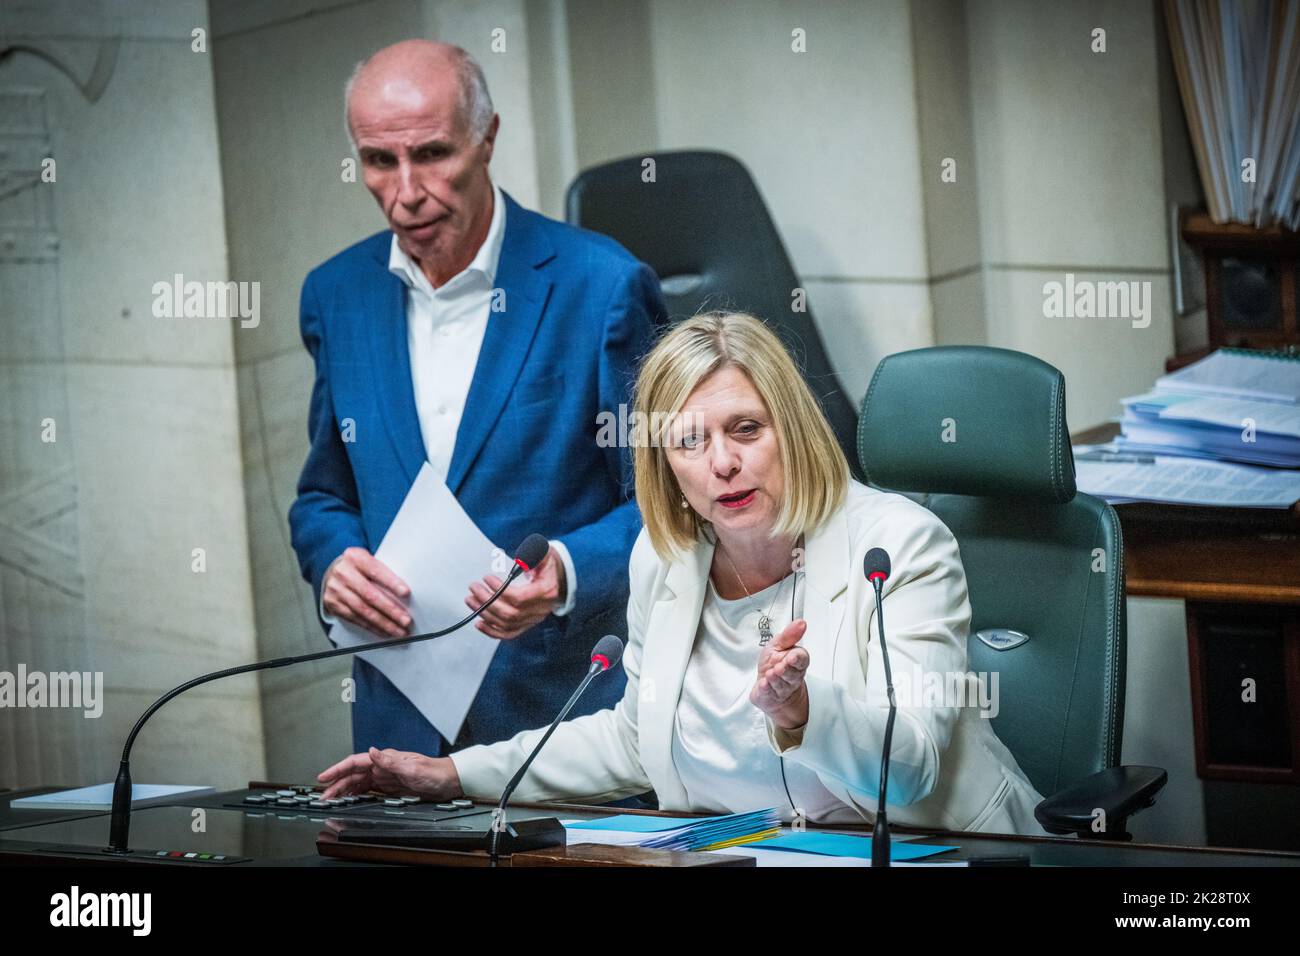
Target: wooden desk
[(293, 843), (1040, 851)]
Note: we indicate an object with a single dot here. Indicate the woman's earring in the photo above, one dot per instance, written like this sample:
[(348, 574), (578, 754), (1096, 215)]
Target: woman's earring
[(685, 503)]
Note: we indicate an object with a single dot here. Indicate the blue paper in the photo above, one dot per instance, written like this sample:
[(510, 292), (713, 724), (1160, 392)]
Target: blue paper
[(845, 844), (632, 823)]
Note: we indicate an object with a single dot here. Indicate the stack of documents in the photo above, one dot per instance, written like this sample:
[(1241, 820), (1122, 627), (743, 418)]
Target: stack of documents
[(780, 846), (696, 833), (1224, 431), (1232, 405)]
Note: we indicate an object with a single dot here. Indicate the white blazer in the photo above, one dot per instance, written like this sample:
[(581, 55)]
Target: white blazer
[(948, 769)]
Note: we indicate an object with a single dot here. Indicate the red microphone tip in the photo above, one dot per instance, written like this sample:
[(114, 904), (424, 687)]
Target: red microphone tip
[(602, 659)]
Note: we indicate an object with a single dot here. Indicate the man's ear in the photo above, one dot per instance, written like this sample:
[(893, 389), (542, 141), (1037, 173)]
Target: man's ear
[(490, 137)]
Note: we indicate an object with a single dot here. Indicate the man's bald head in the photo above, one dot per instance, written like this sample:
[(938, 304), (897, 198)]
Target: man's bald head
[(421, 121), (406, 71)]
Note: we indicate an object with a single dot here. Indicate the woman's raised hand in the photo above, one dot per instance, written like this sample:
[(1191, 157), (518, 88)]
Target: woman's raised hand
[(780, 691)]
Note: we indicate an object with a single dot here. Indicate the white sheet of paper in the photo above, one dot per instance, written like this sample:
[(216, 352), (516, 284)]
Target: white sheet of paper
[(1274, 418), (1238, 375), (437, 549), (1189, 481)]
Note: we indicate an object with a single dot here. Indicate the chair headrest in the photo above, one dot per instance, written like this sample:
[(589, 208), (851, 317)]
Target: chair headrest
[(967, 420)]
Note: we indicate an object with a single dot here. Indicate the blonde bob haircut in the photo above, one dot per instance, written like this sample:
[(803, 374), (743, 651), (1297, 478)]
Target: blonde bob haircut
[(816, 471)]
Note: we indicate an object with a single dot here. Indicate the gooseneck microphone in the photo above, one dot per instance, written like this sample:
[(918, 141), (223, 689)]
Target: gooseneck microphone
[(876, 567), (606, 654), (528, 555)]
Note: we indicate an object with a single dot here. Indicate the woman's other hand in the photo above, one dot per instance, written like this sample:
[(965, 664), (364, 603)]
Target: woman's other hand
[(392, 771)]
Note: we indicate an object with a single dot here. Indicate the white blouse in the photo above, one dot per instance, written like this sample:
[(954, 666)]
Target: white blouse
[(720, 747)]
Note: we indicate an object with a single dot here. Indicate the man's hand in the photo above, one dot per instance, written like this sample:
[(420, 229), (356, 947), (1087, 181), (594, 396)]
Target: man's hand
[(392, 771), (520, 606), (780, 691), (360, 589)]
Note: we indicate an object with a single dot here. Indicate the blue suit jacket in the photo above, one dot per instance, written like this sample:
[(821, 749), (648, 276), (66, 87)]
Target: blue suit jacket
[(579, 314)]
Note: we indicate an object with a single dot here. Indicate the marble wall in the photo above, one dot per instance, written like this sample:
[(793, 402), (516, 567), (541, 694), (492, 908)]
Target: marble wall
[(129, 554), (1069, 173), (42, 588)]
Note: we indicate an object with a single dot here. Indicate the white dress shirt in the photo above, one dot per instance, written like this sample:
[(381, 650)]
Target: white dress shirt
[(444, 333), (720, 745)]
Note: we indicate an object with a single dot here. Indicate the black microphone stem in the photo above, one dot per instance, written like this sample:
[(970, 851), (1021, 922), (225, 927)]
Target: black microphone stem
[(880, 833), (499, 820), (120, 828)]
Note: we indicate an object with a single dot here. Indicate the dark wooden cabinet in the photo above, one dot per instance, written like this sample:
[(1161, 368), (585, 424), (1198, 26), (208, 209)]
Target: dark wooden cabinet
[(1245, 671), (1251, 278)]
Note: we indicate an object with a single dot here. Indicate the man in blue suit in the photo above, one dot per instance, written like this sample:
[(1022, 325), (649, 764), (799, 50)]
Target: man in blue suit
[(484, 339)]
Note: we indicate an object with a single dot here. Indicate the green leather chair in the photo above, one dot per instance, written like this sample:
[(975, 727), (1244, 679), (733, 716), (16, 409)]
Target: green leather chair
[(978, 436)]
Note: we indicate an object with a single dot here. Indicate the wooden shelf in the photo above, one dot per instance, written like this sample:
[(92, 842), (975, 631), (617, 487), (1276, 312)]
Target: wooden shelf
[(1204, 233)]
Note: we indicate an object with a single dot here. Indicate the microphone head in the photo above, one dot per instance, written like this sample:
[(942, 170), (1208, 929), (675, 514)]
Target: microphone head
[(876, 565), (607, 652), (531, 552)]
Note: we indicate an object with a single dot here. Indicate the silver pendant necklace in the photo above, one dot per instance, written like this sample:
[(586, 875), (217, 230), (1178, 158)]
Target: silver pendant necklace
[(764, 618)]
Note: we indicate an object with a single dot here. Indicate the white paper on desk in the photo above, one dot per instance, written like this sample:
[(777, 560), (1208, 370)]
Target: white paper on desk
[(1274, 418), (1189, 481), (1237, 374), (436, 548)]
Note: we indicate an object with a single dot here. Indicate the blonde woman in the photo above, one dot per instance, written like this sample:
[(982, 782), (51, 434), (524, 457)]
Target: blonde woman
[(753, 679)]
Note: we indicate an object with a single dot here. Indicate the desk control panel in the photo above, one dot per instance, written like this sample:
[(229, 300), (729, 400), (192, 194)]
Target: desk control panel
[(311, 802)]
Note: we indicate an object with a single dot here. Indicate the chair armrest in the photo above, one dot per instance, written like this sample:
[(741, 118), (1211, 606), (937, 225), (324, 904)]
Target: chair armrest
[(1118, 791)]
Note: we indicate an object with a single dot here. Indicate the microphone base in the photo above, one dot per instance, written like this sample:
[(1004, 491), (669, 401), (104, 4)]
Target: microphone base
[(516, 836), (880, 853), (537, 833)]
